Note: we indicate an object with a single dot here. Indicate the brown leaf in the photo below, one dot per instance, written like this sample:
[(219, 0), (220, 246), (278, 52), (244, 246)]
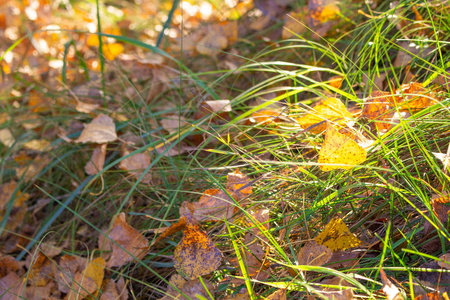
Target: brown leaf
[(278, 295), (445, 263), (101, 130), (313, 254), (262, 216), (190, 288), (95, 165), (7, 265), (114, 290), (67, 268), (174, 228), (239, 184), (125, 236), (19, 209), (136, 164), (11, 287), (391, 291), (346, 294), (196, 255), (214, 205), (33, 168)]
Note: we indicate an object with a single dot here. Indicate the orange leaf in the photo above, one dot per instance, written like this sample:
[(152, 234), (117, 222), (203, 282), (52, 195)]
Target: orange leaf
[(322, 11), (377, 108), (95, 165), (196, 255), (414, 96)]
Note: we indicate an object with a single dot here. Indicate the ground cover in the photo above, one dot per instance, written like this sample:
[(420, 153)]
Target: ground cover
[(237, 150)]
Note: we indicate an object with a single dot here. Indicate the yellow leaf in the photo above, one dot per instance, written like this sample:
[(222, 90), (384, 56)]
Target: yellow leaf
[(96, 271), (330, 109), (92, 40), (111, 51), (340, 150), (337, 236)]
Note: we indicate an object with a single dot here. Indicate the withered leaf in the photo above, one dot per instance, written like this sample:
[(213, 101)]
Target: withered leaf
[(11, 287), (214, 205), (391, 291), (95, 165), (196, 255), (136, 164), (101, 130), (314, 254), (190, 288), (238, 183), (125, 236)]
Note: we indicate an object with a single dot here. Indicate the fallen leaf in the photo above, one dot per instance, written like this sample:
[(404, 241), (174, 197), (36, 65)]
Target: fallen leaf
[(95, 165), (114, 290), (343, 260), (336, 81), (88, 282), (190, 288), (377, 107), (337, 236), (214, 205), (293, 25), (6, 137), (339, 150), (8, 264), (346, 294), (136, 164), (262, 216), (40, 292), (253, 257), (196, 255), (445, 264), (314, 254), (264, 117), (414, 96), (216, 106), (172, 123), (331, 110), (86, 108), (391, 291), (33, 168), (123, 236), (101, 130), (67, 268), (278, 295), (11, 287), (441, 208), (322, 11), (19, 209), (37, 145), (238, 183), (433, 296), (111, 51), (174, 228)]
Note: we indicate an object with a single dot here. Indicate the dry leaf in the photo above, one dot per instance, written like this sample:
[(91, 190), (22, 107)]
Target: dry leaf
[(278, 295), (86, 108), (322, 11), (331, 110), (262, 216), (337, 236), (67, 268), (190, 288), (196, 255), (391, 291), (126, 237), (377, 108), (172, 123), (346, 294), (414, 96), (238, 183), (216, 106), (339, 150), (31, 170), (111, 51), (213, 205), (7, 265), (88, 282), (37, 145), (101, 130), (445, 264), (114, 290), (11, 287), (19, 209), (253, 257), (314, 254), (293, 25), (433, 296), (136, 164), (95, 165), (6, 137)]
